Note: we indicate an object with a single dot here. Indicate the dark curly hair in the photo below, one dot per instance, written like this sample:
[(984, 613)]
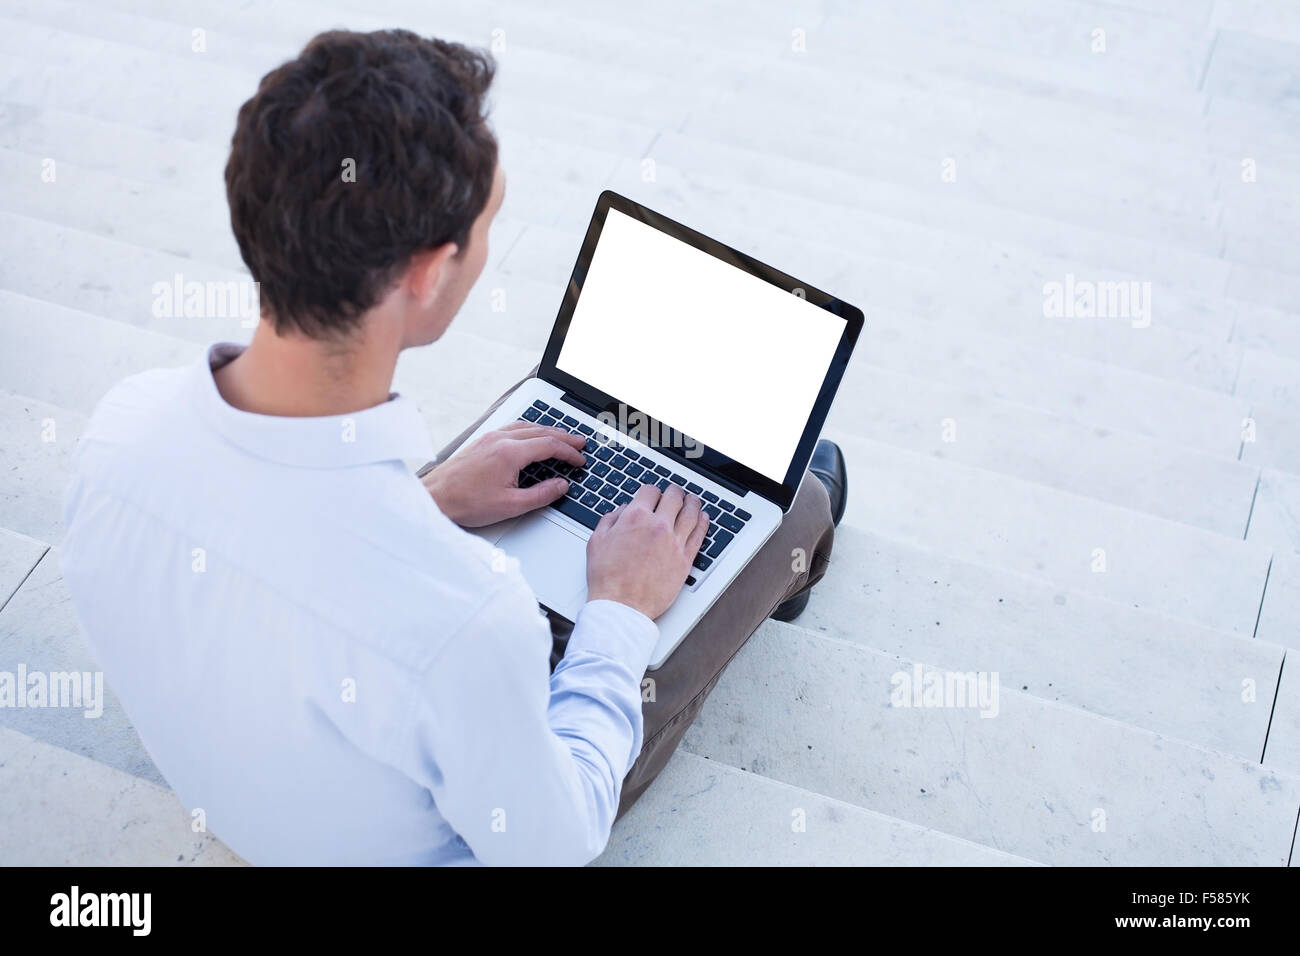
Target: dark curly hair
[(410, 113)]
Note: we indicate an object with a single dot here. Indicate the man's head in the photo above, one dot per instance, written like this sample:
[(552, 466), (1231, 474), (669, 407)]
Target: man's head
[(364, 172)]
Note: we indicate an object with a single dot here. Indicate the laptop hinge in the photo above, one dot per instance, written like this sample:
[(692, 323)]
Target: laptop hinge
[(722, 480)]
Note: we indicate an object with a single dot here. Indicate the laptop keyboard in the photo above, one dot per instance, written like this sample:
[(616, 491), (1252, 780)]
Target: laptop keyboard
[(611, 476)]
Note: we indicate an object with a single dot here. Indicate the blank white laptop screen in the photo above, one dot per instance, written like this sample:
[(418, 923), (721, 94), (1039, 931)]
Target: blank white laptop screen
[(699, 344)]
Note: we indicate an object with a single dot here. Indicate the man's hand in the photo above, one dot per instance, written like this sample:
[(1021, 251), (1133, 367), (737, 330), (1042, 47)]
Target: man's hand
[(641, 553), (480, 485)]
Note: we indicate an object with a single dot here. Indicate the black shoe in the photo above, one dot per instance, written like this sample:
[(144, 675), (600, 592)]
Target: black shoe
[(789, 610), (828, 465)]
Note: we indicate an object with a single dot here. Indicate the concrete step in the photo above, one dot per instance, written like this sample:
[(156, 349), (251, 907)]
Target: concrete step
[(131, 180), (1254, 68), (1270, 380), (70, 358), (121, 281), (532, 31), (1271, 330), (39, 629), (38, 439), (147, 214), (1276, 439), (1275, 517), (82, 813), (703, 813), (1142, 668), (1280, 610), (961, 425), (909, 221), (1012, 175), (1283, 750), (19, 554), (1015, 525), (598, 159), (821, 714), (1264, 286), (1279, 20)]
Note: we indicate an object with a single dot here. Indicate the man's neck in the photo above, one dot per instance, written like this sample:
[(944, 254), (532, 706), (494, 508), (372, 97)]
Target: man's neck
[(295, 376)]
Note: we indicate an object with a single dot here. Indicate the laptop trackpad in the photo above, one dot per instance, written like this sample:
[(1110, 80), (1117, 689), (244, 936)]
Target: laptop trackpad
[(553, 561)]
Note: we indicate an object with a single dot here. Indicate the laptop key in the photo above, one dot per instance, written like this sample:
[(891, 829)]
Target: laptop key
[(710, 496), (633, 470), (631, 485), (743, 515), (712, 511), (599, 468), (623, 499), (575, 490), (570, 421), (584, 516), (590, 447), (593, 482), (631, 454), (702, 562), (605, 507), (726, 505), (591, 499), (586, 429), (608, 491), (541, 405), (677, 479), (546, 420), (531, 414), (662, 471), (730, 522), (604, 453), (693, 488), (662, 484), (720, 541)]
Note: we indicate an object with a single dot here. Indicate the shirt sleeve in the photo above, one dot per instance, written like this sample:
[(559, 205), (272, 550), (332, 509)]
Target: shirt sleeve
[(527, 766)]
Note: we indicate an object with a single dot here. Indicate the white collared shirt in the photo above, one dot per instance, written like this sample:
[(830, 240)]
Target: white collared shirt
[(321, 661)]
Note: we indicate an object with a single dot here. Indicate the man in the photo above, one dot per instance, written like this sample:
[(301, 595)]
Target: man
[(312, 649)]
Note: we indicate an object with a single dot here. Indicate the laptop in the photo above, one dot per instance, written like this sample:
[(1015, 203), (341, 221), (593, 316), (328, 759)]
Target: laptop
[(682, 361)]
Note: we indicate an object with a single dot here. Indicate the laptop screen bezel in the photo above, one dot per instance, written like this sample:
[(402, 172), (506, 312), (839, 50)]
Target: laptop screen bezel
[(710, 461)]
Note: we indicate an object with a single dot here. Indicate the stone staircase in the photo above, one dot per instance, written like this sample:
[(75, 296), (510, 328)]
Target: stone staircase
[(1072, 505)]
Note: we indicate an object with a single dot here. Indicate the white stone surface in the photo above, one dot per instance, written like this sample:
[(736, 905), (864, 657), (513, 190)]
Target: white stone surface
[(816, 712), (1122, 690), (1283, 751), (989, 518), (39, 631), (92, 815), (1279, 615), (1140, 667), (38, 441), (18, 556), (704, 813)]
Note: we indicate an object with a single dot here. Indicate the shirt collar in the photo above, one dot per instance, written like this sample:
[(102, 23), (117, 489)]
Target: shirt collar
[(392, 431)]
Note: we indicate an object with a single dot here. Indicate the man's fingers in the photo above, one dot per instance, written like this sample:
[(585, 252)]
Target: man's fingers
[(688, 517), (670, 504), (696, 537), (608, 519), (521, 430), (539, 449), (646, 496), (540, 494)]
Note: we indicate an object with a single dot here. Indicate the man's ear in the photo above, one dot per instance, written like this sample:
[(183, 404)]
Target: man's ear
[(425, 272)]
